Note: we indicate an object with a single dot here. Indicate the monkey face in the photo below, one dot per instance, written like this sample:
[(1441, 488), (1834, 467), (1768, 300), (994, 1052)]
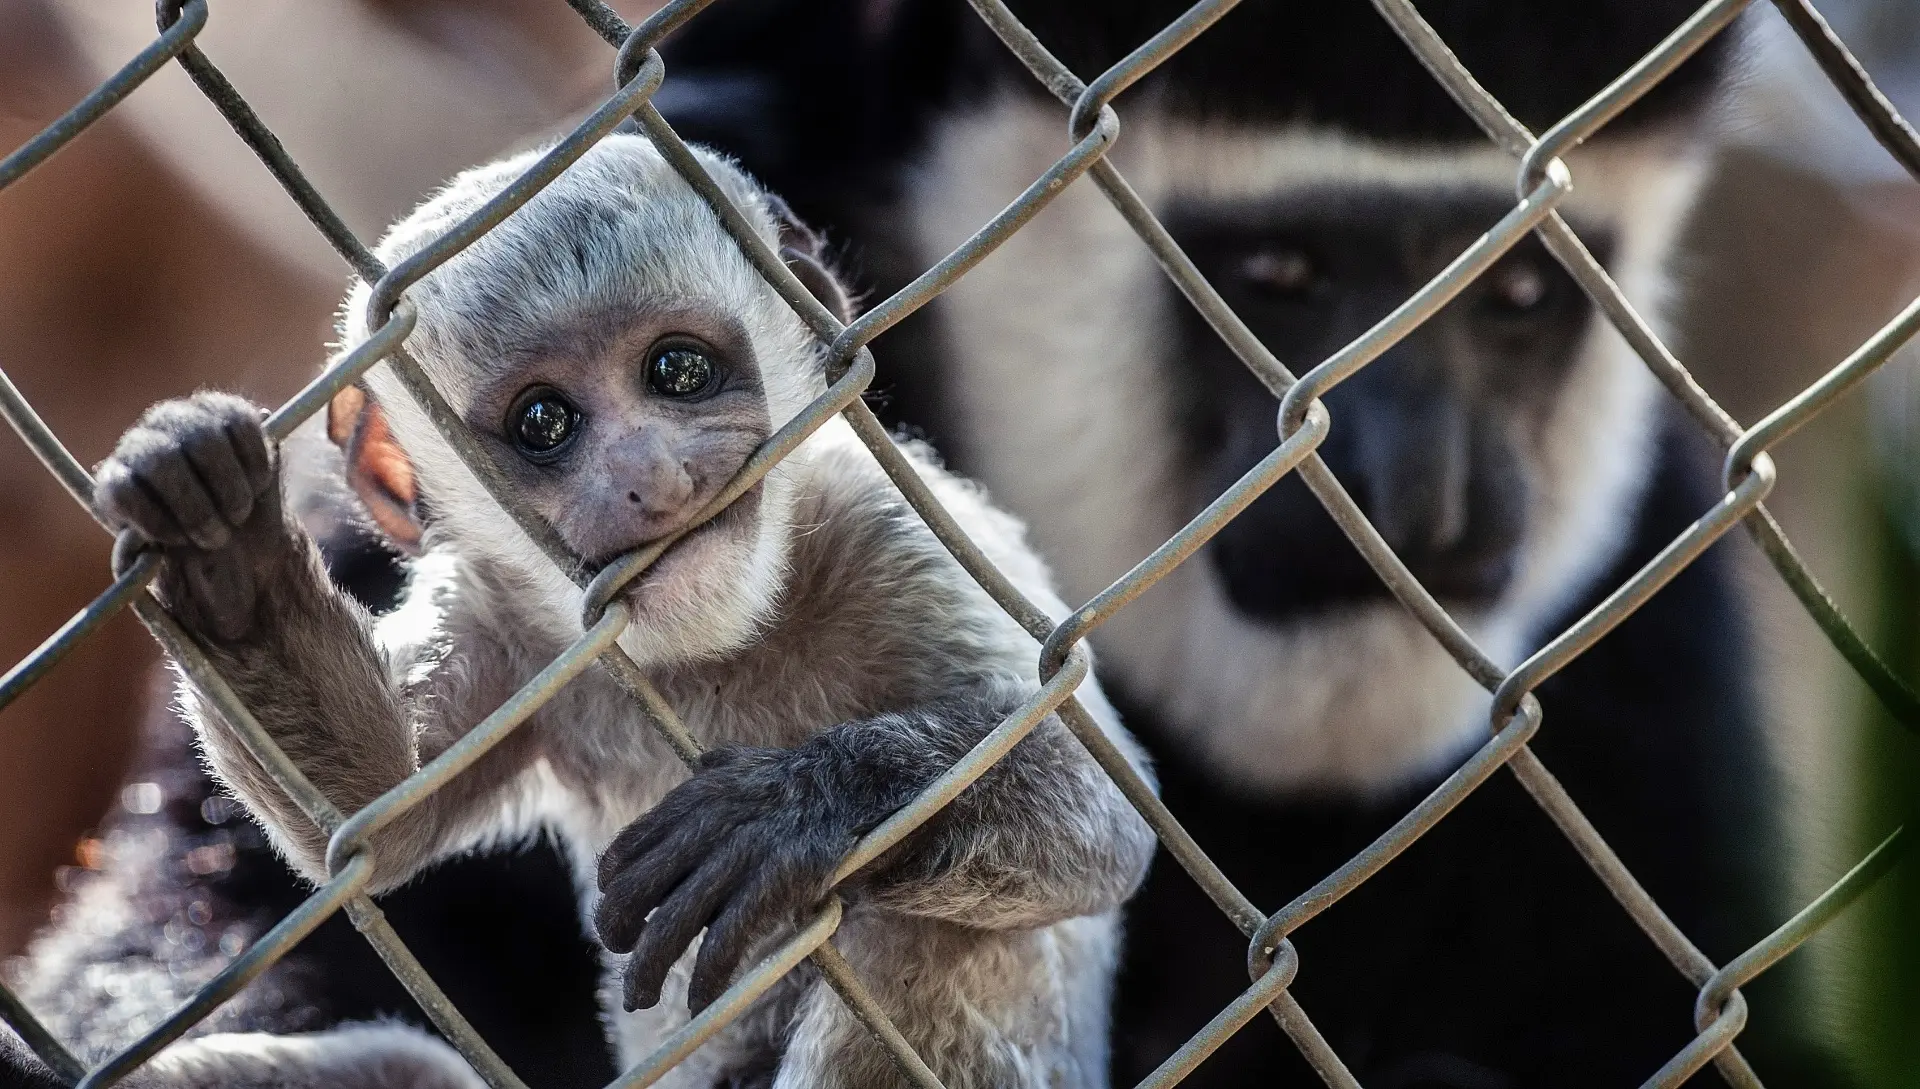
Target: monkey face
[(619, 359), (1500, 448), (1440, 440), (624, 430)]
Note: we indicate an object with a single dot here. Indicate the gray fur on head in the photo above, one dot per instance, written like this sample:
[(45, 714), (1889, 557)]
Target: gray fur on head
[(617, 227)]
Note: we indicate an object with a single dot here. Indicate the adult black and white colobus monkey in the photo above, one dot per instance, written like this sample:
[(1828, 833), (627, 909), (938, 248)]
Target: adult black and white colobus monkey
[(1513, 450)]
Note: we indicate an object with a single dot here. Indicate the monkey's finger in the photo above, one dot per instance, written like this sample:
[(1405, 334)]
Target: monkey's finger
[(750, 914), (625, 901), (217, 463), (126, 503), (250, 446), (692, 802), (636, 839), (170, 478), (677, 921)]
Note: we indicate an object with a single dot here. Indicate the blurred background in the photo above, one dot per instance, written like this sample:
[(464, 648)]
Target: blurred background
[(155, 255)]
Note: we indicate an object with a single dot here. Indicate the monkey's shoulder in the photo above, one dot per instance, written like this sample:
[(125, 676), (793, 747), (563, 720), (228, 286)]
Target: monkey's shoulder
[(858, 538), (852, 510)]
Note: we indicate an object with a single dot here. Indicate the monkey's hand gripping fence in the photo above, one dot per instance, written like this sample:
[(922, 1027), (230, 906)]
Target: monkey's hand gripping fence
[(1542, 182)]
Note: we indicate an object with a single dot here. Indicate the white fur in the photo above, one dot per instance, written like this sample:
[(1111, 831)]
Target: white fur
[(379, 1056), (1059, 392)]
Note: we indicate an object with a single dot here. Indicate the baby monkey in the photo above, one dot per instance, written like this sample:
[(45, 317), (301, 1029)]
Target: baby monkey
[(620, 358)]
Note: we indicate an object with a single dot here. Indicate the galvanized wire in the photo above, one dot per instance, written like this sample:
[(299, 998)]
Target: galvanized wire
[(1542, 180)]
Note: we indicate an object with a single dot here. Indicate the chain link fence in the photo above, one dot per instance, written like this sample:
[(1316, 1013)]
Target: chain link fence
[(1541, 182)]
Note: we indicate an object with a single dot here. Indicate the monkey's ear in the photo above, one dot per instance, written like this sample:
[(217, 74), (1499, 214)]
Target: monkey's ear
[(804, 251), (822, 284), (377, 468)]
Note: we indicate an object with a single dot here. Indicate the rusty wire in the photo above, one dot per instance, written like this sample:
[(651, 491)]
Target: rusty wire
[(1541, 179)]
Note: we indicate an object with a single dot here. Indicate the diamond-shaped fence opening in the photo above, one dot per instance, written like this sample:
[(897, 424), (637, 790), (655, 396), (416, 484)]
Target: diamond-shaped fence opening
[(1542, 180)]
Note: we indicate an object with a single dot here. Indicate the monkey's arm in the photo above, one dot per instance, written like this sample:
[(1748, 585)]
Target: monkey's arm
[(1043, 836), (197, 477)]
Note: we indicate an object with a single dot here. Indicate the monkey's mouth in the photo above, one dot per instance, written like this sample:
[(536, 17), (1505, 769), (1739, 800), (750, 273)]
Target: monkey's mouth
[(732, 520)]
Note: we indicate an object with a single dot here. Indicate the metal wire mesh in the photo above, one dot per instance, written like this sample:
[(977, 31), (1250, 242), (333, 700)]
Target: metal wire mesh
[(1542, 181)]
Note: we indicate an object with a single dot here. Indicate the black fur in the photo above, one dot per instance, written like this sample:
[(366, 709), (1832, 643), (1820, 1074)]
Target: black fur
[(826, 101), (20, 1068), (749, 76), (1340, 64)]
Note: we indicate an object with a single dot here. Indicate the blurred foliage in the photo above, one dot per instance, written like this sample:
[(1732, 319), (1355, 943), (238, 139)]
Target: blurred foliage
[(1883, 1006)]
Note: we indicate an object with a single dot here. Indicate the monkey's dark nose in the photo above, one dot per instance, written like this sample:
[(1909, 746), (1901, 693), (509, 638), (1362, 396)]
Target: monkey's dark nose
[(655, 475), (1434, 473), (1442, 484)]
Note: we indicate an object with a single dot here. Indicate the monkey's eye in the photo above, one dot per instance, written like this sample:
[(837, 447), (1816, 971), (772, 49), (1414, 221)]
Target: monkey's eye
[(1284, 271), (680, 371), (541, 422), (1517, 287)]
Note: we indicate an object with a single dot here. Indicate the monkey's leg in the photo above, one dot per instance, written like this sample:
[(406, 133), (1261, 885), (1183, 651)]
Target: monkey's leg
[(1010, 1009)]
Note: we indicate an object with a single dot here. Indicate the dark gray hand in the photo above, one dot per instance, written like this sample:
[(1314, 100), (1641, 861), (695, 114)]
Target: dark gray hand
[(197, 477), (752, 838)]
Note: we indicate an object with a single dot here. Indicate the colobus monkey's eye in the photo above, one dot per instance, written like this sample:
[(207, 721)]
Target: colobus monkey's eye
[(541, 422), (1279, 271), (1518, 286), (680, 371)]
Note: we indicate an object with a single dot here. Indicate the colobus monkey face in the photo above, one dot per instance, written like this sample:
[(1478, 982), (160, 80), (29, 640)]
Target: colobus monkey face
[(619, 381), (1437, 440), (621, 431), (1500, 448)]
